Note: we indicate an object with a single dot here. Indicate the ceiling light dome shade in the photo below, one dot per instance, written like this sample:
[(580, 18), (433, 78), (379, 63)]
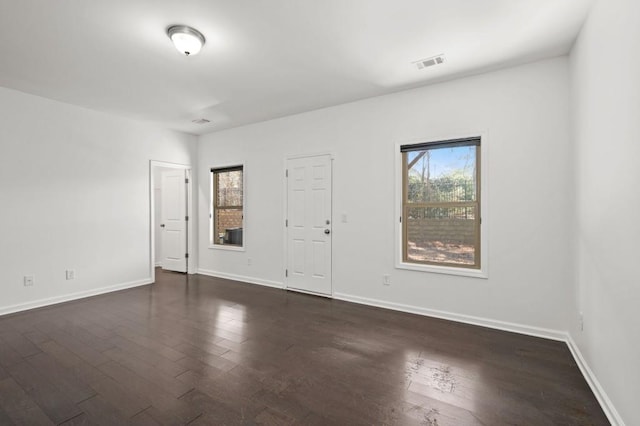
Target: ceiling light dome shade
[(187, 40)]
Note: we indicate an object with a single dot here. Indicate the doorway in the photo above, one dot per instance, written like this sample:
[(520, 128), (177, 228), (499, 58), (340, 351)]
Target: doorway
[(308, 224), (171, 240)]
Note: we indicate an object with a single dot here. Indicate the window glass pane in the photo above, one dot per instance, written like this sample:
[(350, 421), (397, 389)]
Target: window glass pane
[(228, 209), (229, 188), (441, 235), (228, 226), (441, 175)]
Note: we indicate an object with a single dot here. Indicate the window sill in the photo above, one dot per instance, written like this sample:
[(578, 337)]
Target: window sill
[(447, 270), (226, 247)]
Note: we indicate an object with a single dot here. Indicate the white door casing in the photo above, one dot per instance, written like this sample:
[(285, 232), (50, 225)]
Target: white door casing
[(309, 227), (173, 221)]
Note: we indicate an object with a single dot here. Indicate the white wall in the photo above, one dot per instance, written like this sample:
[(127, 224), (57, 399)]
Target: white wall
[(525, 113), (605, 72), (74, 194)]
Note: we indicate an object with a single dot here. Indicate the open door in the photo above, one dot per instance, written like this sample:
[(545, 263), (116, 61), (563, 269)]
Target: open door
[(174, 220), (309, 224)]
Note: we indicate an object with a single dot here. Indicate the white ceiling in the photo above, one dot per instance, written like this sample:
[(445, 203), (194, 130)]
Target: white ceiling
[(263, 59)]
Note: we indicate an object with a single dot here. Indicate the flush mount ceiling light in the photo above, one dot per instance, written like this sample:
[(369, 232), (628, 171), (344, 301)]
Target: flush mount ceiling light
[(187, 40)]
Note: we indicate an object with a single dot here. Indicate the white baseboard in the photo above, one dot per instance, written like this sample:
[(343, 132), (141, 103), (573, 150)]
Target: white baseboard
[(5, 310), (594, 384), (234, 277), (467, 319)]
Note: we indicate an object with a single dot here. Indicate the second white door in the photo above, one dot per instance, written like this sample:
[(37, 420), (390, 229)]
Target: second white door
[(173, 213), (309, 224)]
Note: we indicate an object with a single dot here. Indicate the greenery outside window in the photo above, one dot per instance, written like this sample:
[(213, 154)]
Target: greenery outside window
[(440, 222), (228, 206)]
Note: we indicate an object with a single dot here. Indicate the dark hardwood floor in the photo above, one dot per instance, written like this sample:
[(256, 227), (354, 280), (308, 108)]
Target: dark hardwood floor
[(210, 352)]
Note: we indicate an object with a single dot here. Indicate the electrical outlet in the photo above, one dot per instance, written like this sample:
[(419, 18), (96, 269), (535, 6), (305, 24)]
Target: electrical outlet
[(71, 274), (386, 279), (249, 261), (344, 218), (581, 319), (28, 280)]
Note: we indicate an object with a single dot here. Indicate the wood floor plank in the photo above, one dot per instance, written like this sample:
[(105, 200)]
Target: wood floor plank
[(149, 343), (36, 337), (3, 373), (226, 389), (100, 412), (132, 349), (201, 349), (79, 420), (150, 372), (64, 380), (120, 396), (144, 418), (434, 411), (217, 412), (83, 335), (5, 419), (80, 368), (9, 356), (209, 359), (57, 407), (84, 351), (172, 410), (282, 404), (198, 371), (19, 406), (18, 342)]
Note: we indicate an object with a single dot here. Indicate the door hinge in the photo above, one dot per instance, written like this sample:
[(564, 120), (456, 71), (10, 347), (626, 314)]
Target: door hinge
[(186, 180), (286, 173), (286, 223), (400, 219), (286, 272), (186, 255), (186, 218)]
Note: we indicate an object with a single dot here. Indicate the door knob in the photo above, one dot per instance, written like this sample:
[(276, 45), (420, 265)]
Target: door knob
[(162, 225), (326, 231)]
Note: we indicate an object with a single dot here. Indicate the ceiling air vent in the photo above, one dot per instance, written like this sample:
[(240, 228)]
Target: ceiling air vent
[(201, 121), (429, 62)]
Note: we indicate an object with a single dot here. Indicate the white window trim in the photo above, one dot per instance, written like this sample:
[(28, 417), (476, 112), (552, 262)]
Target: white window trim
[(244, 208), (483, 272)]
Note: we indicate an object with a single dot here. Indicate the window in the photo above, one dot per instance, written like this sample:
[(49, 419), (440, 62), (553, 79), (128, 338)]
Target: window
[(228, 206), (440, 216)]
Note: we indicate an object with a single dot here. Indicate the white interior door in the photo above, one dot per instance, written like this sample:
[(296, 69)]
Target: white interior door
[(173, 220), (309, 224)]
